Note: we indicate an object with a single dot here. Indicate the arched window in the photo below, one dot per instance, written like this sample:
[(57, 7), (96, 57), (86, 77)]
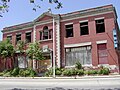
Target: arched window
[(45, 32)]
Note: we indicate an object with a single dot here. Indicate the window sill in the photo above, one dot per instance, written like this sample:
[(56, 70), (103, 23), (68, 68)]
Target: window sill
[(45, 40), (101, 33), (84, 35)]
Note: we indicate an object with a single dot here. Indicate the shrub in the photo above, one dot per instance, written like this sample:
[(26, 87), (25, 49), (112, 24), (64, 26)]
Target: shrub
[(32, 73), (90, 72), (19, 72), (1, 73), (104, 71), (58, 71), (27, 72), (80, 72), (78, 65), (15, 72), (7, 74), (69, 72), (49, 72)]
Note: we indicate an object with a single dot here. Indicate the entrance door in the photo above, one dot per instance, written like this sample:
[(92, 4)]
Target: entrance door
[(102, 54)]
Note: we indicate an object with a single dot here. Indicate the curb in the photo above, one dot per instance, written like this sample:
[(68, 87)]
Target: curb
[(72, 77)]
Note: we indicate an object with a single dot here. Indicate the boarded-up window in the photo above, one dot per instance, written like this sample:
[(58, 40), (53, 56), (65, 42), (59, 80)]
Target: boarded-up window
[(81, 54), (102, 54)]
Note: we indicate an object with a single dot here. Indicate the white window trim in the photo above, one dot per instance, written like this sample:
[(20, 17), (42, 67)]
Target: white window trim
[(101, 42), (9, 35), (45, 40), (69, 23), (77, 45), (99, 18), (18, 33), (83, 21), (28, 31)]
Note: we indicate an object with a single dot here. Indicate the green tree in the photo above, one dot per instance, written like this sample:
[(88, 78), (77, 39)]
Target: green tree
[(34, 52), (4, 5), (20, 47), (6, 51)]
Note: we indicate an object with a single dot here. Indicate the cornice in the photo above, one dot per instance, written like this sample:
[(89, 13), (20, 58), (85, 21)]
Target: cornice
[(17, 27), (86, 13)]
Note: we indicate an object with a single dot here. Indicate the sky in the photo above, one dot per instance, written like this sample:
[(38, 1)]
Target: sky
[(20, 11)]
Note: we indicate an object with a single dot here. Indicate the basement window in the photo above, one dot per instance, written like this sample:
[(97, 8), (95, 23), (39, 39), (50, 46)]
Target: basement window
[(84, 28), (69, 30), (100, 27), (18, 38), (28, 37)]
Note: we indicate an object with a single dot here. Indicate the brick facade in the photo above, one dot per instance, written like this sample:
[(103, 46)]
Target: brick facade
[(92, 39)]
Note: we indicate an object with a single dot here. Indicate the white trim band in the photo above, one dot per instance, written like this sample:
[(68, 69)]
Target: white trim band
[(101, 42), (83, 21), (18, 33), (99, 18), (69, 23), (28, 31), (9, 35), (77, 45)]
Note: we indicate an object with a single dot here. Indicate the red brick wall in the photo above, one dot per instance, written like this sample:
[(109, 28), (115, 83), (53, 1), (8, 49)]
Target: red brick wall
[(92, 37)]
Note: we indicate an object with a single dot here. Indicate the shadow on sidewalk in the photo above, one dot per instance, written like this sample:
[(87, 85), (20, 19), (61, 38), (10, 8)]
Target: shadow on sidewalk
[(60, 88)]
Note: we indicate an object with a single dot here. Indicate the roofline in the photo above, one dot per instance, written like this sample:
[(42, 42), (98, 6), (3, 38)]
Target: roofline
[(61, 15)]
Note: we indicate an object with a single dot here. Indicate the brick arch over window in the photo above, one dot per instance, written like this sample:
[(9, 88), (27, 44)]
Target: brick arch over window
[(46, 33)]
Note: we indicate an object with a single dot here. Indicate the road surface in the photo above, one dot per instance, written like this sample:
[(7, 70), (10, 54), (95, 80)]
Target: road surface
[(60, 84)]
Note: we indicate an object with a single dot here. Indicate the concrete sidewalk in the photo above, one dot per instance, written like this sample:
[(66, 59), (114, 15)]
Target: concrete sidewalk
[(65, 77)]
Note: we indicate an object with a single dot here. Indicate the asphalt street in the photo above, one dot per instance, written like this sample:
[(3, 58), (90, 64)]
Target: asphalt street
[(60, 84)]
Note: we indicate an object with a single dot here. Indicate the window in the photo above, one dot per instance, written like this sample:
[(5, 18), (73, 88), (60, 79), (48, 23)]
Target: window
[(18, 38), (81, 54), (28, 37), (69, 30), (9, 37), (40, 35), (45, 33), (100, 27), (50, 34), (84, 28)]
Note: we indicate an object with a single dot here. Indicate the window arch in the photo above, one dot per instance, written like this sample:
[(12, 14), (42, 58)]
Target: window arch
[(45, 32)]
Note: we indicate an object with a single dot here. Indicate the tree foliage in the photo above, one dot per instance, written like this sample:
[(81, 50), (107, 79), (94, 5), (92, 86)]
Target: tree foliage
[(4, 5), (6, 50), (20, 46), (34, 51)]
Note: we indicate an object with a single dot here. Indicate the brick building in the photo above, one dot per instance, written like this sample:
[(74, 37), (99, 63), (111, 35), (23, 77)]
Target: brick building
[(90, 36)]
